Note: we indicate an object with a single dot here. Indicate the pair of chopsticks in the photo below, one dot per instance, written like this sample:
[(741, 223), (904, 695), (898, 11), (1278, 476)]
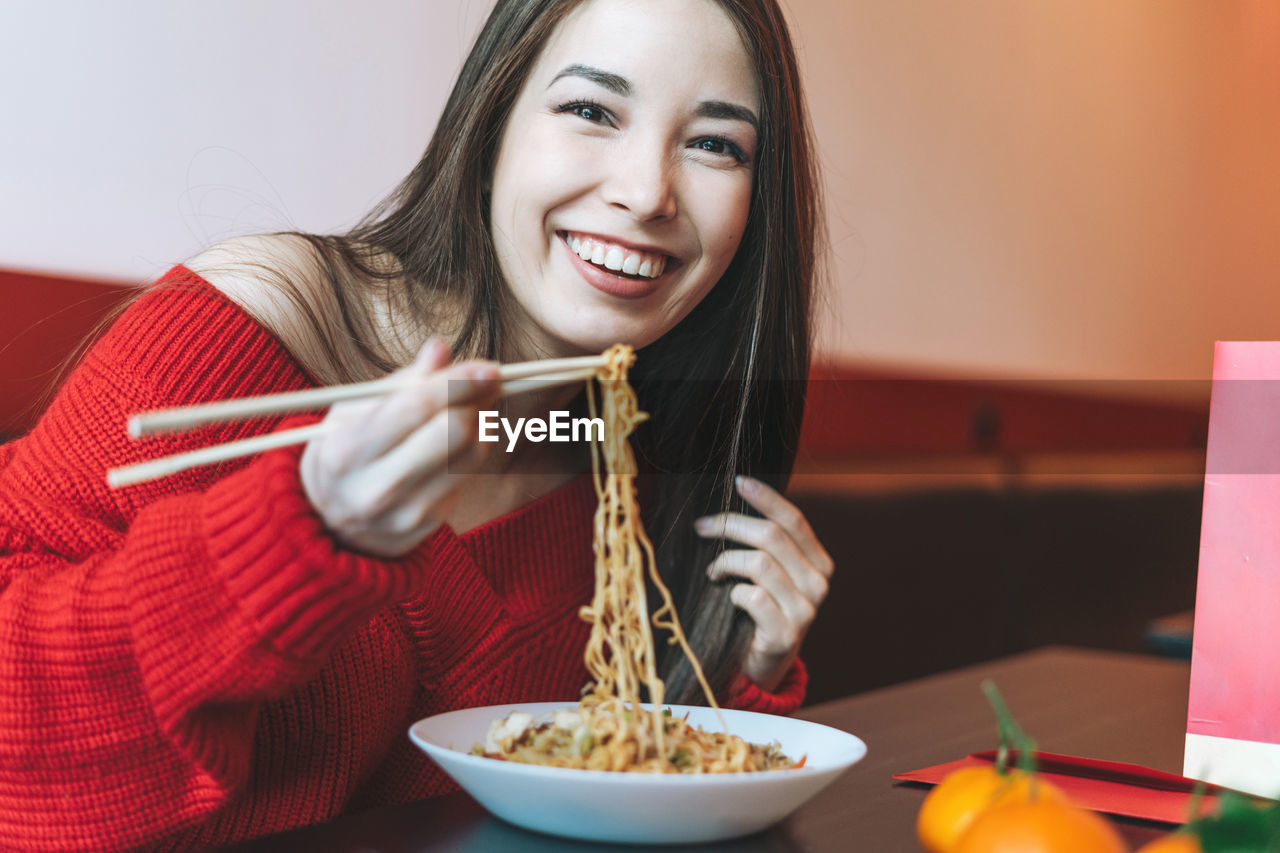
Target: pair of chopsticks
[(516, 379)]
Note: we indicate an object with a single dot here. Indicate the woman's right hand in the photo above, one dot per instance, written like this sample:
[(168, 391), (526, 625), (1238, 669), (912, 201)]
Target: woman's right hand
[(386, 472)]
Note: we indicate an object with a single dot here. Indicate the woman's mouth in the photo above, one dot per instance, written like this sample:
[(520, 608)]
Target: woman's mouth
[(617, 269), (616, 258)]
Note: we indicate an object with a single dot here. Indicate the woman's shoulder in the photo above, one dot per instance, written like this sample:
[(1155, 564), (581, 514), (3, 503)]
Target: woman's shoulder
[(257, 271), (235, 262), (285, 284)]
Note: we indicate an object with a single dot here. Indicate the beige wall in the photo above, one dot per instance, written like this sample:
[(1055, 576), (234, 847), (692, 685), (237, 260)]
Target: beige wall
[(1076, 188), (137, 132), (1048, 188)]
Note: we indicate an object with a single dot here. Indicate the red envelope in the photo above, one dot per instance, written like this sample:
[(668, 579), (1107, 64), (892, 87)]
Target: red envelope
[(1128, 790)]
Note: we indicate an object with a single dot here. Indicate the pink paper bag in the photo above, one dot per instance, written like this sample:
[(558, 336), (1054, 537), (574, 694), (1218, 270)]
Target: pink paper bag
[(1233, 715)]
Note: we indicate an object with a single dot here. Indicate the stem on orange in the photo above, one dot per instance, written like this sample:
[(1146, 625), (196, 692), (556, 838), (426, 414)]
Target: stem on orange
[(1010, 734)]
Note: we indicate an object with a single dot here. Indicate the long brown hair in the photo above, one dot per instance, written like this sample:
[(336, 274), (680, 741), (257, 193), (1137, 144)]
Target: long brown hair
[(725, 387)]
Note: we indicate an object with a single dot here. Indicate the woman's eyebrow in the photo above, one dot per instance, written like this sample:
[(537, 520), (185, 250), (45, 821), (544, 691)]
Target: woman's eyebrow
[(724, 109), (615, 83), (620, 85)]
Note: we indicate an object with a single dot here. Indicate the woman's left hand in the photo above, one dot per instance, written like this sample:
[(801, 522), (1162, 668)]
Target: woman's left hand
[(789, 571)]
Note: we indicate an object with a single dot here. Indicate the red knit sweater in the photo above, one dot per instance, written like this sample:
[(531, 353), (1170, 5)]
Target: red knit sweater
[(193, 660)]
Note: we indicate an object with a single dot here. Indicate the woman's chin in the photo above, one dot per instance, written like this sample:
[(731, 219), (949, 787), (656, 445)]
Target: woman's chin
[(603, 336)]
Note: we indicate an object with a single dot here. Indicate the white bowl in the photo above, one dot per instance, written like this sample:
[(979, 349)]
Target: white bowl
[(639, 807)]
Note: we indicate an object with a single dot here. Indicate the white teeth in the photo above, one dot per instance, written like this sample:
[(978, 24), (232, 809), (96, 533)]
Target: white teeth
[(617, 258)]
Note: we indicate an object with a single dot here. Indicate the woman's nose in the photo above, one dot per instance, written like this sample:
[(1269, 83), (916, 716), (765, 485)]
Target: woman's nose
[(641, 182)]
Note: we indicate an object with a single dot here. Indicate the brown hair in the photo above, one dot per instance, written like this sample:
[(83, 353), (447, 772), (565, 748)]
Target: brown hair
[(725, 387)]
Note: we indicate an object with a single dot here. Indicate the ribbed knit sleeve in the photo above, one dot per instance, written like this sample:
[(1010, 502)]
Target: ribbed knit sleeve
[(141, 629), (745, 695)]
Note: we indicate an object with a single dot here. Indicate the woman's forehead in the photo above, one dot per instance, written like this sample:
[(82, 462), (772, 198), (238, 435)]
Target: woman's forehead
[(658, 47)]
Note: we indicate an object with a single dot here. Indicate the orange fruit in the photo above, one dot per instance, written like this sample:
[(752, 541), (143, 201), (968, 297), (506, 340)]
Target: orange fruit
[(956, 801), (1040, 826), (1176, 842)]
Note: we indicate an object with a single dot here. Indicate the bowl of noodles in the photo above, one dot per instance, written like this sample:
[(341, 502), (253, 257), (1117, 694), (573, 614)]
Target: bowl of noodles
[(678, 806), (611, 767)]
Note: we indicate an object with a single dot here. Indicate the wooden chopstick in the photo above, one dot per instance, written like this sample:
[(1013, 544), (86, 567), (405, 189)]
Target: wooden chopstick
[(550, 380), (549, 366), (154, 469), (189, 417)]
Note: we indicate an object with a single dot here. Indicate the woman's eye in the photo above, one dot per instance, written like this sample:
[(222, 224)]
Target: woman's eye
[(720, 145), (586, 110)]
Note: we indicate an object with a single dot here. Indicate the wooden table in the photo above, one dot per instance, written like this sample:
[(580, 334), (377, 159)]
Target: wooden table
[(1100, 704)]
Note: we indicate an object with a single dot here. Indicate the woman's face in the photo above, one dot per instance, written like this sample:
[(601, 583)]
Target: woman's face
[(624, 176)]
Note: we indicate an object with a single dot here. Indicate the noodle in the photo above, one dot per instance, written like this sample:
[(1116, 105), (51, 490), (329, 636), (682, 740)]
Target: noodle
[(611, 729)]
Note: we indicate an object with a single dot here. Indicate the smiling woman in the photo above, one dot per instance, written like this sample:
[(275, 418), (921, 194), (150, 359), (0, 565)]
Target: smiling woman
[(605, 171), (638, 150)]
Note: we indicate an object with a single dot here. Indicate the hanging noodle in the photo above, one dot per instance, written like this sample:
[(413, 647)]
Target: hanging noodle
[(611, 729)]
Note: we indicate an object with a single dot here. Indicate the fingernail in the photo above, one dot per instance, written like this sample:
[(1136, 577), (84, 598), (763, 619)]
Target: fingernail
[(484, 373), (743, 482), (702, 525), (431, 350)]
